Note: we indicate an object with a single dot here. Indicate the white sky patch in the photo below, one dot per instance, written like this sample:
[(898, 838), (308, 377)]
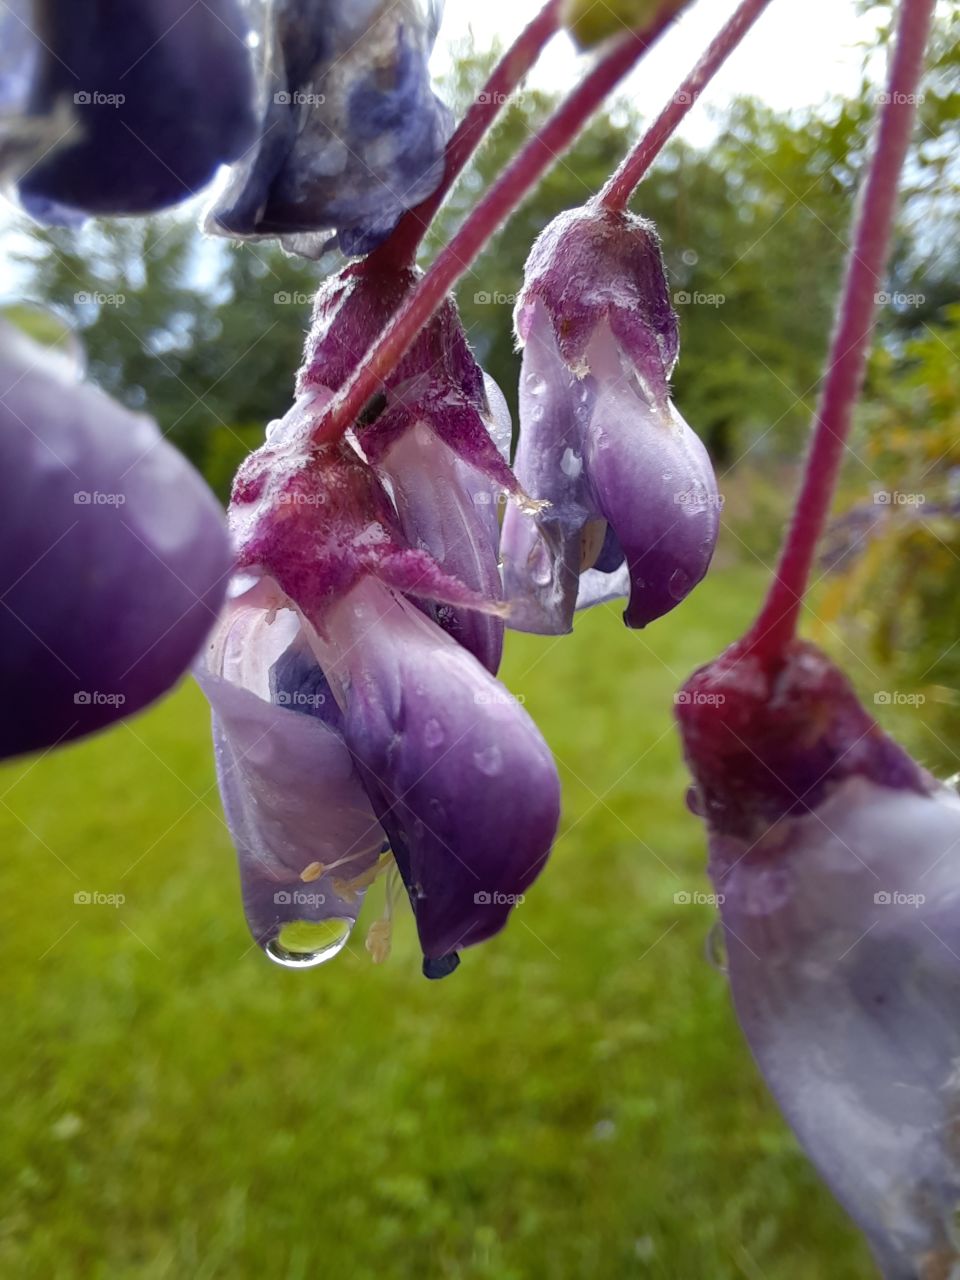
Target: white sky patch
[(799, 53)]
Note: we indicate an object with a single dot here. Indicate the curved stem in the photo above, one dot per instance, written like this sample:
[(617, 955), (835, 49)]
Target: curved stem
[(400, 248), (621, 185), (776, 625), (523, 172)]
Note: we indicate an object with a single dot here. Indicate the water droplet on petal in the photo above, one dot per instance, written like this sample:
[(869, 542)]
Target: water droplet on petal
[(679, 584), (695, 801), (571, 464), (303, 944), (489, 761), (433, 733), (536, 384), (715, 948)]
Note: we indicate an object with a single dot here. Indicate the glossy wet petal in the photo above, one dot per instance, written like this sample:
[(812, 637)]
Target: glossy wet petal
[(306, 837), (462, 781)]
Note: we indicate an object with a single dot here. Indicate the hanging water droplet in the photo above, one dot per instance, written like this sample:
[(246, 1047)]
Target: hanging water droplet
[(571, 464), (489, 761), (304, 944), (695, 801), (715, 948), (679, 584), (433, 733)]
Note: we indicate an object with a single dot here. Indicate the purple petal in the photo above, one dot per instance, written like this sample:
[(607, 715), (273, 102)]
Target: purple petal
[(131, 143), (293, 800), (115, 554), (460, 777), (352, 134), (652, 480)]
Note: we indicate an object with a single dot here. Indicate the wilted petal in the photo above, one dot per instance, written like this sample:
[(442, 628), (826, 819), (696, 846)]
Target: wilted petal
[(128, 110), (115, 555), (843, 950), (306, 837), (458, 774), (352, 133)]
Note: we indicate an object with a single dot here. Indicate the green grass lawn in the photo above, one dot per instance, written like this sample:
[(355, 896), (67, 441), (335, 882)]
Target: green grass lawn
[(575, 1101)]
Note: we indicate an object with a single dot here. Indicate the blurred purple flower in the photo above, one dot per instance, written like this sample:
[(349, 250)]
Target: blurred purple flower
[(115, 555), (351, 132), (622, 476), (836, 861), (121, 109)]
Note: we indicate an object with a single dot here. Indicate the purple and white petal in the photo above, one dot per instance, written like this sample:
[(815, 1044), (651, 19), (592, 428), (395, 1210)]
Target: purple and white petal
[(461, 779), (306, 837)]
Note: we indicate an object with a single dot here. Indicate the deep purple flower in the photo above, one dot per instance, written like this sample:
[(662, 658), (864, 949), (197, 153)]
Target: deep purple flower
[(121, 109), (351, 132), (836, 861), (622, 475), (457, 774), (115, 555)]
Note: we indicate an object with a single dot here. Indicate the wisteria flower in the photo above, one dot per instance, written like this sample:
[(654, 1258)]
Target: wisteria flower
[(621, 476), (836, 861), (115, 555), (456, 773), (351, 132), (121, 110)]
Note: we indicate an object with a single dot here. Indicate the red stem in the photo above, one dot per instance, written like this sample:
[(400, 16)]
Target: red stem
[(621, 185), (777, 623), (401, 246), (523, 172)]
